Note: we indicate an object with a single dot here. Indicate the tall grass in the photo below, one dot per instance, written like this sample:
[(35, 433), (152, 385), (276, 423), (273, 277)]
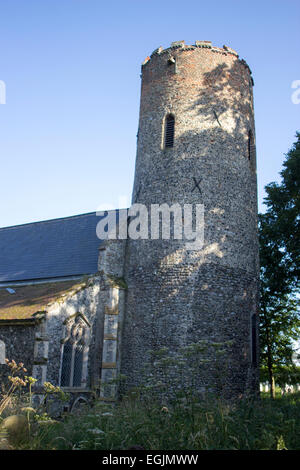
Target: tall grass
[(149, 418), (210, 424)]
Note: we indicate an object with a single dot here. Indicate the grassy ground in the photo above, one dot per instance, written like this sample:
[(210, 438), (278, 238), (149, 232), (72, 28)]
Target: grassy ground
[(263, 424)]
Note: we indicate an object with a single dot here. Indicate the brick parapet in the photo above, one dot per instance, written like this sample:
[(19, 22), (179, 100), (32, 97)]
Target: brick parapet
[(180, 46)]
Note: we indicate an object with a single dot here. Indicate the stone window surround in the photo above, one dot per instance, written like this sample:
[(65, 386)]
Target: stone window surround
[(164, 128), (67, 330), (2, 352)]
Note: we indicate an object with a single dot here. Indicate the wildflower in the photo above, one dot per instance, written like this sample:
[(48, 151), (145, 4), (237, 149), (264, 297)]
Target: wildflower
[(17, 381), (14, 366), (50, 388), (30, 380), (95, 431), (164, 409), (29, 409)]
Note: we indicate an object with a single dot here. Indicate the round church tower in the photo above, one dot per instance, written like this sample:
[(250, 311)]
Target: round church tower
[(196, 148)]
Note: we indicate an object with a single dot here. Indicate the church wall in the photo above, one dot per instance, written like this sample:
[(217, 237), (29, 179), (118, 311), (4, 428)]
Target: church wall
[(19, 346), (97, 305), (88, 302)]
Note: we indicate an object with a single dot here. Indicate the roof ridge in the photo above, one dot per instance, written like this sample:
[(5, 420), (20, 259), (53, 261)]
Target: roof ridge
[(52, 220)]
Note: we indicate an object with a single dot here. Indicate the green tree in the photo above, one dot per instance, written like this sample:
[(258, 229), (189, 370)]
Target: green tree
[(283, 214), (279, 231), (279, 328)]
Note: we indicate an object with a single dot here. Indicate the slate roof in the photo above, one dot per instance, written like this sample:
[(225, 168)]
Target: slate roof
[(49, 249)]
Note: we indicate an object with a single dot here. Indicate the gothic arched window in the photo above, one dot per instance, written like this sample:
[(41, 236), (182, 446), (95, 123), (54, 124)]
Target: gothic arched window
[(169, 131), (74, 354)]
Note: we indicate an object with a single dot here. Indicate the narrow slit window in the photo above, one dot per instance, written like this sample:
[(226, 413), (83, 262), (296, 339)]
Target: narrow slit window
[(250, 144), (169, 131)]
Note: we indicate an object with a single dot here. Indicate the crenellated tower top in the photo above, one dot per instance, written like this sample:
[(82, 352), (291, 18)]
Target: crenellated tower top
[(180, 46)]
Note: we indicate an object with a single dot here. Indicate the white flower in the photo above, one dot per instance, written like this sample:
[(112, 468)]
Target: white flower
[(95, 431)]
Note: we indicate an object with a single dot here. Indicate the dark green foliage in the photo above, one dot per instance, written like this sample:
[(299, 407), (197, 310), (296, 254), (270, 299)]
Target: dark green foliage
[(285, 375), (281, 222), (186, 422), (211, 424), (279, 233)]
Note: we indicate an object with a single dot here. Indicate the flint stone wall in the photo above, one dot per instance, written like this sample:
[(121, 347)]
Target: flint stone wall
[(89, 303), (176, 296), (19, 345)]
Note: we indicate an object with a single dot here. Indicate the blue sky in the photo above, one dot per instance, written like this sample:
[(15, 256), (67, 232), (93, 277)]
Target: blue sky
[(72, 74)]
